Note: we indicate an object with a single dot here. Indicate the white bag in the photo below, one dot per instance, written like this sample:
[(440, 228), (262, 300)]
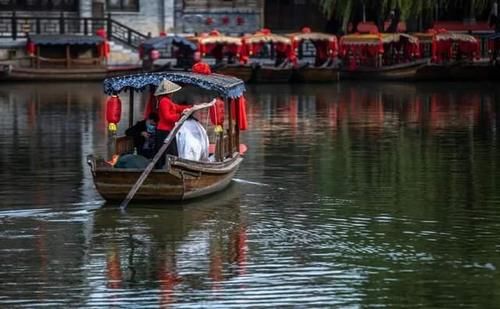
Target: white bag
[(192, 141)]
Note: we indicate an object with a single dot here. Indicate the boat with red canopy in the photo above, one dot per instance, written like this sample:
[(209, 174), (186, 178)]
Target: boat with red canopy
[(181, 178), (229, 53), (380, 56), (325, 51), (273, 55), (453, 56)]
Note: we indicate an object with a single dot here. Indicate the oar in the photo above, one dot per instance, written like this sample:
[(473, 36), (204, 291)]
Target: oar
[(166, 143)]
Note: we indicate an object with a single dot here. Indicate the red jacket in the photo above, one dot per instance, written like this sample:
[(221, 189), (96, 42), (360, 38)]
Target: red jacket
[(169, 113)]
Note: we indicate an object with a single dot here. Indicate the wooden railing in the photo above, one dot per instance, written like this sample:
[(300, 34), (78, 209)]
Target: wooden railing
[(15, 27)]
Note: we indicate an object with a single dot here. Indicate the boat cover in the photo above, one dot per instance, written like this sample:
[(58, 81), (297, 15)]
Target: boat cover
[(162, 42), (66, 39), (226, 86)]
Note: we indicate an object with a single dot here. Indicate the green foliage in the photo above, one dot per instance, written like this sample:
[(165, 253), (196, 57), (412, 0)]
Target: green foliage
[(343, 9)]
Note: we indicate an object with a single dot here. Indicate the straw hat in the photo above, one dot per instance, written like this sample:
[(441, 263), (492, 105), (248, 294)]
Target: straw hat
[(166, 87)]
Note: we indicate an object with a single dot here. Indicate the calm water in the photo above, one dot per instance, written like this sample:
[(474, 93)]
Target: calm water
[(351, 195)]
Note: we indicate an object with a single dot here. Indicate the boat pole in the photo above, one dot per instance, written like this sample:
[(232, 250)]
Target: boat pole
[(161, 151), (131, 108)]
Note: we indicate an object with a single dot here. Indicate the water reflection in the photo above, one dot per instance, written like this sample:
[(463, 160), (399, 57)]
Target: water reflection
[(350, 195), (168, 254)]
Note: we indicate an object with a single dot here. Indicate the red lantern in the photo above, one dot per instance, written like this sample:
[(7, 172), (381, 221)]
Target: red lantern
[(240, 20), (101, 32), (225, 20), (154, 54), (217, 113), (239, 112), (30, 48), (113, 112), (201, 68)]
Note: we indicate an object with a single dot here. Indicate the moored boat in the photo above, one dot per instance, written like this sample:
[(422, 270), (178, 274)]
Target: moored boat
[(453, 56), (181, 178), (265, 47), (322, 68), (380, 56), (65, 57), (229, 53), (167, 51)]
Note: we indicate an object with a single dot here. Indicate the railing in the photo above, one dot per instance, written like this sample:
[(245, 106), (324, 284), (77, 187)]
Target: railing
[(15, 27)]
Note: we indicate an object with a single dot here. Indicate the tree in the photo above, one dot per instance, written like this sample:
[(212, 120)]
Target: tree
[(343, 9)]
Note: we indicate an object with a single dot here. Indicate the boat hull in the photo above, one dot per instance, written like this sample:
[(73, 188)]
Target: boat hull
[(243, 72), (183, 180), (312, 74), (400, 72), (92, 74), (460, 72), (265, 74)]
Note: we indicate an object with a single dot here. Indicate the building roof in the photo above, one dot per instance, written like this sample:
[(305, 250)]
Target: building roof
[(61, 39)]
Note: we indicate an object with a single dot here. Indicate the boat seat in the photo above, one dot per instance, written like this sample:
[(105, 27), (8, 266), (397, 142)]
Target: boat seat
[(124, 144)]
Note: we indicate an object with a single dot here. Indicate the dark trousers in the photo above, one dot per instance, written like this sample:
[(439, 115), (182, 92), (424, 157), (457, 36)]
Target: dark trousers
[(160, 137)]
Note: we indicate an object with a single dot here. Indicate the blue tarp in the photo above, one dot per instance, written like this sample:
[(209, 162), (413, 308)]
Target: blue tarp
[(162, 42)]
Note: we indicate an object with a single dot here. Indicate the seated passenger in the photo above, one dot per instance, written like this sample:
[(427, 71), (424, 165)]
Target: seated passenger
[(143, 133), (192, 141)]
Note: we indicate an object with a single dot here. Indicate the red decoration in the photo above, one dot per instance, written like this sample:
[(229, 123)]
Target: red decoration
[(240, 20), (265, 31), (306, 30), (113, 110), (217, 113), (225, 20), (104, 49), (30, 48), (239, 112), (201, 68), (154, 54), (209, 21), (149, 105), (214, 32), (101, 32)]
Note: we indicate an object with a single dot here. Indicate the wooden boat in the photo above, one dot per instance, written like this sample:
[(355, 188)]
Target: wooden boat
[(380, 56), (325, 52), (181, 179), (397, 72), (264, 44), (12, 73), (229, 53), (453, 56), (179, 50), (65, 57)]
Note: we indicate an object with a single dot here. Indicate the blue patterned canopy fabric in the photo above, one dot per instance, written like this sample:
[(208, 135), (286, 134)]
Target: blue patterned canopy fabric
[(162, 42), (225, 86), (66, 39)]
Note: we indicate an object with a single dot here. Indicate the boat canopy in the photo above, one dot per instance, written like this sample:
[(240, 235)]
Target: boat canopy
[(424, 37), (225, 86), (219, 45), (312, 36), (265, 36), (66, 39), (162, 42), (377, 39), (215, 37)]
